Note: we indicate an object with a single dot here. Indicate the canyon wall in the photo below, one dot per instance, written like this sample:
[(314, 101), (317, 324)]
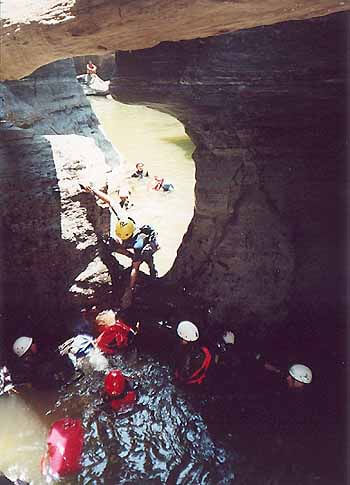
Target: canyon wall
[(49, 141), (266, 109)]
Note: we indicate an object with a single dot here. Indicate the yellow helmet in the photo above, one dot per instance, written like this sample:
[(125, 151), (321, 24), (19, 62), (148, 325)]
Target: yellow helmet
[(124, 228)]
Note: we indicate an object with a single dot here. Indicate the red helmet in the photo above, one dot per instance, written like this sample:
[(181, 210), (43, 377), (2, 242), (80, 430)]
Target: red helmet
[(114, 383)]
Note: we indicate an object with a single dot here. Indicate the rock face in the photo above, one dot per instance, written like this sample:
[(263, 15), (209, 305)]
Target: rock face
[(48, 224), (266, 110), (34, 33)]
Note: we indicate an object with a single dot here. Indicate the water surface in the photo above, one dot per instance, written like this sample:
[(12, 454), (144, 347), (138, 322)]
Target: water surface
[(160, 142)]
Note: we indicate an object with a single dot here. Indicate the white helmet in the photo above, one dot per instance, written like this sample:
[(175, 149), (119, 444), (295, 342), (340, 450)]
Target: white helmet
[(21, 345), (301, 373), (188, 331)]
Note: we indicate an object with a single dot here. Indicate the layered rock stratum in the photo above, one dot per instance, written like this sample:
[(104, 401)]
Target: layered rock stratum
[(34, 33)]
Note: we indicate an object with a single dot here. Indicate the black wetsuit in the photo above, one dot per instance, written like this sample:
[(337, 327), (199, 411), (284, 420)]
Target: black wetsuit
[(192, 363), (44, 370), (139, 174)]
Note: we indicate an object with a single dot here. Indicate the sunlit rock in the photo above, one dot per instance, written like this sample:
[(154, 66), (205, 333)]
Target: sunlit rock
[(36, 33), (50, 141)]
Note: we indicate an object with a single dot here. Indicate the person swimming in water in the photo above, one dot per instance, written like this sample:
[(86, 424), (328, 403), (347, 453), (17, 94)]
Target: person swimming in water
[(140, 171), (159, 183)]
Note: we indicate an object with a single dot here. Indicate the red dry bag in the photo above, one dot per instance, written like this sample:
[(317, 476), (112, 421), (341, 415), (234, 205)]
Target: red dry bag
[(64, 448)]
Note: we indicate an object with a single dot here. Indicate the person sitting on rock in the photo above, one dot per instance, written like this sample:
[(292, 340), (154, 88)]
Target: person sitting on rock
[(118, 391), (139, 243), (140, 171), (91, 70)]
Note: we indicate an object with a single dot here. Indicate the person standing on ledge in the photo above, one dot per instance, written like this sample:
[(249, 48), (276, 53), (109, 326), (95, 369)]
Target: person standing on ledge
[(91, 70), (139, 243)]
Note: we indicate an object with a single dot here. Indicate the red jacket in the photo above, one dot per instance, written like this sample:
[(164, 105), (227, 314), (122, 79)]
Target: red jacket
[(113, 338)]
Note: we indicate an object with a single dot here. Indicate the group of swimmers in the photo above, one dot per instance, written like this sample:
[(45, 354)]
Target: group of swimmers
[(159, 184), (98, 337)]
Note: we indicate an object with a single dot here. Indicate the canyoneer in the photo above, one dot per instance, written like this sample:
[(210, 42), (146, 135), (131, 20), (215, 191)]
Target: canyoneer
[(140, 171), (37, 366), (159, 184), (119, 392), (295, 376), (114, 333), (192, 359), (139, 243), (91, 71)]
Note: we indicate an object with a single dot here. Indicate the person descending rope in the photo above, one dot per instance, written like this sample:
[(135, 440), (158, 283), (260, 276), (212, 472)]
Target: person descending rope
[(119, 392), (139, 243), (192, 360)]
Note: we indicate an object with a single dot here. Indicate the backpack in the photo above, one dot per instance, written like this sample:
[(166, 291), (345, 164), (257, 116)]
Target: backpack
[(150, 233)]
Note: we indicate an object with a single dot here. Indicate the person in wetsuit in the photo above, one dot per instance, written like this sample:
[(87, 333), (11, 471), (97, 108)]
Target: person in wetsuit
[(38, 367), (192, 359), (124, 198), (140, 172), (118, 391)]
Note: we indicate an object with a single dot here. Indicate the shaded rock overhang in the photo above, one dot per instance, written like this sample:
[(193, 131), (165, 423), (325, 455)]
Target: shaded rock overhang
[(37, 33)]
